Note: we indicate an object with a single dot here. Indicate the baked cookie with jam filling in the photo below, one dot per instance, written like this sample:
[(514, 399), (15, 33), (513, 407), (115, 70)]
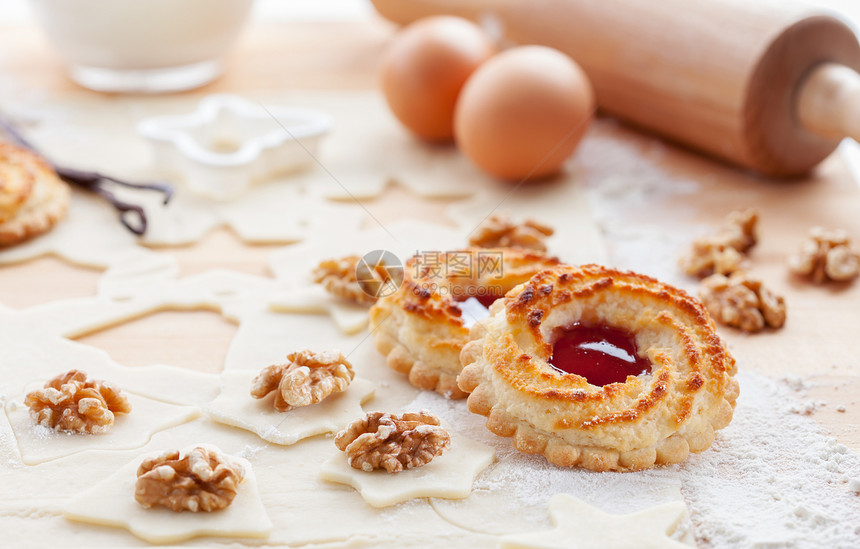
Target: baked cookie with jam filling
[(422, 327), (598, 368)]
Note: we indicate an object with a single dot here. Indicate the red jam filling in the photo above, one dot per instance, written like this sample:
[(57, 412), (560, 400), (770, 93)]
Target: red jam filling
[(486, 299), (601, 354)]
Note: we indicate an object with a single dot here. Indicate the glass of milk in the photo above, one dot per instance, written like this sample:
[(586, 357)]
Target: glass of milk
[(142, 45)]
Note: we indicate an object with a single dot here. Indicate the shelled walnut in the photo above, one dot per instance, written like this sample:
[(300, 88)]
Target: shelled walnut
[(826, 255), (338, 277), (725, 251), (204, 480), (742, 302), (70, 402), (498, 231), (386, 441), (306, 378)]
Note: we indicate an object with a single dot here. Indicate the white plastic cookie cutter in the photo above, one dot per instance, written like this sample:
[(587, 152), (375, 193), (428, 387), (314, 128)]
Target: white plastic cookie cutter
[(229, 142)]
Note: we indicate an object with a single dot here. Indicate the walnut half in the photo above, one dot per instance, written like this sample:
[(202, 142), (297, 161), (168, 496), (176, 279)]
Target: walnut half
[(306, 378), (386, 441), (71, 402), (338, 277), (204, 480), (725, 251), (742, 302), (498, 231), (826, 255)]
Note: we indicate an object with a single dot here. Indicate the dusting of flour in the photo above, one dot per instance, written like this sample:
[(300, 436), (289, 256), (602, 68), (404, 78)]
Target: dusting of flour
[(623, 180), (771, 478)]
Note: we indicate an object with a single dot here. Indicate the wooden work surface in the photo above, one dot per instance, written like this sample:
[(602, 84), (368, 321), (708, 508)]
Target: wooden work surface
[(821, 337)]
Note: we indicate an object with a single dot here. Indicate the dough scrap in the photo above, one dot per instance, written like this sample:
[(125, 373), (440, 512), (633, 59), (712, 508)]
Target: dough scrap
[(351, 318), (111, 503), (591, 528), (448, 476), (235, 407), (518, 487), (39, 444)]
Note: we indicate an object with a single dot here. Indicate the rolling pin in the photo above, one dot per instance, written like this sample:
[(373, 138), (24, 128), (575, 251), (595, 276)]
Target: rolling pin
[(765, 85)]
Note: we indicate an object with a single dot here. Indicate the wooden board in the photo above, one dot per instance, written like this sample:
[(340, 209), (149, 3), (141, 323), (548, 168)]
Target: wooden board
[(821, 338)]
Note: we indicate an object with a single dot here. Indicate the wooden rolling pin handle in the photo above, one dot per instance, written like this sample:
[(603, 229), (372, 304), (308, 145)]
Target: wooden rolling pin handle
[(828, 103)]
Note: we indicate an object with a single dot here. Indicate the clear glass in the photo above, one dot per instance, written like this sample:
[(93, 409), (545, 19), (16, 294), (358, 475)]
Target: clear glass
[(142, 45), (163, 80)]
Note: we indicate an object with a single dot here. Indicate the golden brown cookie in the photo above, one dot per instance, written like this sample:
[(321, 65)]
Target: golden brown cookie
[(422, 327), (32, 197), (657, 415)]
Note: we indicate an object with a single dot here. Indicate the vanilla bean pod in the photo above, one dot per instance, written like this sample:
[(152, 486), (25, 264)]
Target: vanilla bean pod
[(95, 182)]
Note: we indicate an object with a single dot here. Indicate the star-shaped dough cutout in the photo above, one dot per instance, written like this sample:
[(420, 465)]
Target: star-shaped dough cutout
[(39, 444), (398, 202), (581, 526), (313, 299), (448, 476), (111, 503), (235, 407)]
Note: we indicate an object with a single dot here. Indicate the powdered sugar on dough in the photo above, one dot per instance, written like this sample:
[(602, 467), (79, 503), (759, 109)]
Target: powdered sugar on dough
[(235, 406)]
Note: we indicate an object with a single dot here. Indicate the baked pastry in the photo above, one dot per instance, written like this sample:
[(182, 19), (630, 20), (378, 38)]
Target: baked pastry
[(421, 328), (598, 368), (32, 197)]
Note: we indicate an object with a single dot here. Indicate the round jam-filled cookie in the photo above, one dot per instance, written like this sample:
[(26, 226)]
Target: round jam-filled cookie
[(602, 369), (32, 197), (422, 327)]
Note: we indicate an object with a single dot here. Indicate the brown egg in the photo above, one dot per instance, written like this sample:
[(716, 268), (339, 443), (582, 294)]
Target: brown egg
[(522, 113), (424, 69)]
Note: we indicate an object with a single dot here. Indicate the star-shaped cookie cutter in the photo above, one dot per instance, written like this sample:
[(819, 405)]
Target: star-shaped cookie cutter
[(229, 142)]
